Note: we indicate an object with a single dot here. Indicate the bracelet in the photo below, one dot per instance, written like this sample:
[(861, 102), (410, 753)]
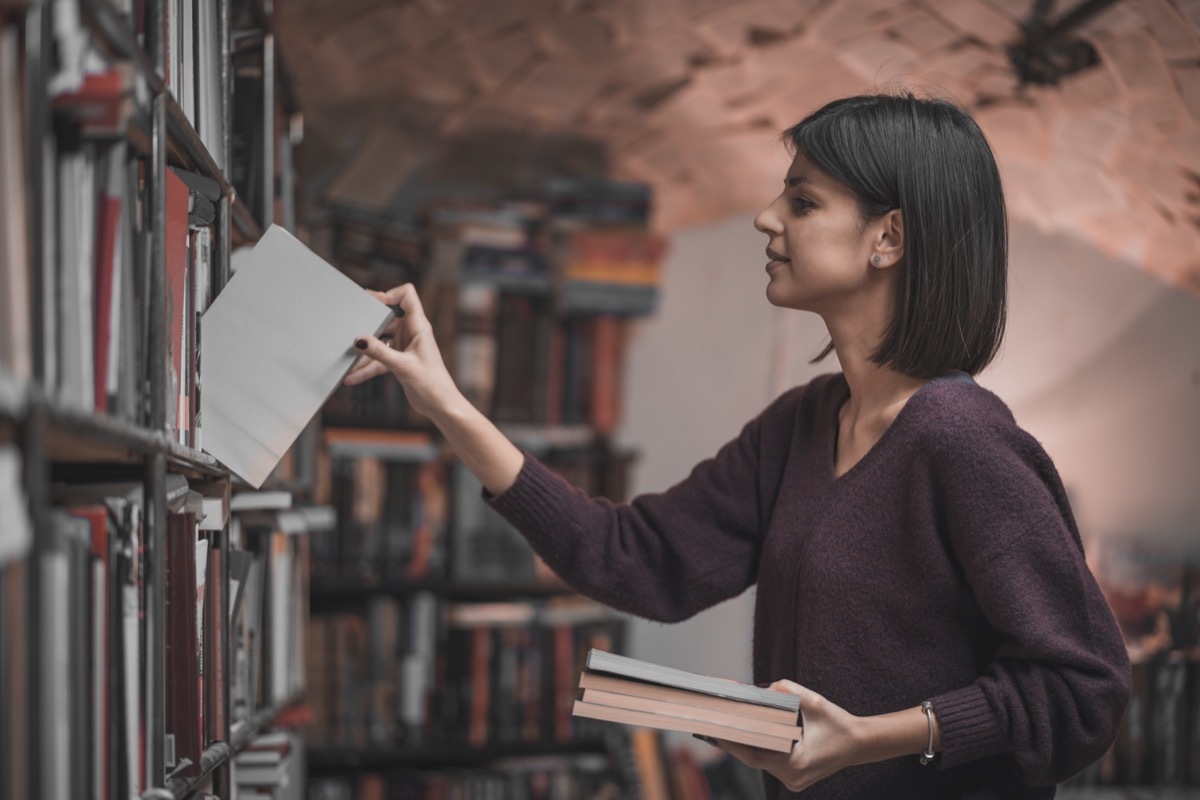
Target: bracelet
[(928, 755)]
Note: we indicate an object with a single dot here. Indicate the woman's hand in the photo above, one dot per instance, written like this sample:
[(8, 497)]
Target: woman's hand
[(412, 355), (830, 742)]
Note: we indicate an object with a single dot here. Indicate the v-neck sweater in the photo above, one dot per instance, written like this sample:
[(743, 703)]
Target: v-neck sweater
[(944, 565)]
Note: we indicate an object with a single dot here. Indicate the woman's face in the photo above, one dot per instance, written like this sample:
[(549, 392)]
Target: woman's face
[(819, 248)]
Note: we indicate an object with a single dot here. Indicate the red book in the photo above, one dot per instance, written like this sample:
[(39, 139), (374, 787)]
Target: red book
[(564, 681), (555, 374), (103, 103), (606, 347), (182, 665), (481, 662), (214, 652), (176, 286)]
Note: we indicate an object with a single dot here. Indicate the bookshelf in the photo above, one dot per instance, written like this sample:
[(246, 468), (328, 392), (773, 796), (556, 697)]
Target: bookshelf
[(432, 603), (116, 533)]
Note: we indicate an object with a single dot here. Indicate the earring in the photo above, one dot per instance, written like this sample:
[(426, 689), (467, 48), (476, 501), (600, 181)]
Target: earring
[(876, 260)]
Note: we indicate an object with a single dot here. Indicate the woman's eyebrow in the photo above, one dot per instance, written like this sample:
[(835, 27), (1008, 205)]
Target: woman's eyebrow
[(796, 180)]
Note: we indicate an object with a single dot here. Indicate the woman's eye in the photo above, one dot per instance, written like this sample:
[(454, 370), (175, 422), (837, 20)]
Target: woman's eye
[(802, 203)]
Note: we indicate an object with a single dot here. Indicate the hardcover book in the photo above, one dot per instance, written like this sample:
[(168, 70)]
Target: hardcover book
[(625, 690)]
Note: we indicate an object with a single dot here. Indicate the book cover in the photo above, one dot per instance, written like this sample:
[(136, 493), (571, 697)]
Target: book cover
[(624, 666), (278, 341)]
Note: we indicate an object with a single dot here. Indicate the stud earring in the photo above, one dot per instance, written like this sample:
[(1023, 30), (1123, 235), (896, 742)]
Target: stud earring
[(876, 260)]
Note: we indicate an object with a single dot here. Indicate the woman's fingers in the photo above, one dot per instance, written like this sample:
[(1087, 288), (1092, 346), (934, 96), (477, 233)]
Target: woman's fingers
[(786, 686), (404, 296), (380, 357), (364, 372)]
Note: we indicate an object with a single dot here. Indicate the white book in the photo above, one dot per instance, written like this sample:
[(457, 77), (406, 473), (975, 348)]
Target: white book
[(16, 337), (187, 44), (261, 501), (76, 208), (277, 342), (115, 181), (50, 280), (16, 531)]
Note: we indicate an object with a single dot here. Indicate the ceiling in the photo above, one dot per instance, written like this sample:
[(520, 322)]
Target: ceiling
[(402, 99)]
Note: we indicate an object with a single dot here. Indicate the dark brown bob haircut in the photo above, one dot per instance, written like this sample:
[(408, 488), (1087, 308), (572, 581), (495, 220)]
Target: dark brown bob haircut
[(929, 159)]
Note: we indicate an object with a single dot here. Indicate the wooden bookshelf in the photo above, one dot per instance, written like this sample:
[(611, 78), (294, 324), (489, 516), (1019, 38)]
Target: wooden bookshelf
[(483, 583), (88, 686), (326, 592), (325, 761)]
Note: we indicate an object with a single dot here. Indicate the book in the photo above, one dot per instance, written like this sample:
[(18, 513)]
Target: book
[(278, 341), (668, 722), (634, 669), (608, 684), (676, 700), (16, 319)]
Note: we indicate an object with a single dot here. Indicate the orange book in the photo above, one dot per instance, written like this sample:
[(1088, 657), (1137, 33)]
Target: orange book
[(666, 722), (687, 711), (653, 692), (606, 349)]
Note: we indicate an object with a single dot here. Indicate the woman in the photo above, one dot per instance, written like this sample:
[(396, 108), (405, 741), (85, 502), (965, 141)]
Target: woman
[(921, 582)]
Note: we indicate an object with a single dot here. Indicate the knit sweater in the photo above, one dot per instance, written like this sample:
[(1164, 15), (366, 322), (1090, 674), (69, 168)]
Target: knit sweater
[(944, 565)]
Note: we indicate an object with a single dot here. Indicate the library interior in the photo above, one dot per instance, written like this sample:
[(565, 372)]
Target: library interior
[(234, 576)]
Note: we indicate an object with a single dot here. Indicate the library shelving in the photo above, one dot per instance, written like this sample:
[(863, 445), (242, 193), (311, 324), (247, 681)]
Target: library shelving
[(443, 653), (148, 631)]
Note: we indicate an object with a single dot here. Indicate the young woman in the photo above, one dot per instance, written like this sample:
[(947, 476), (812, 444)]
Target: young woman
[(921, 581)]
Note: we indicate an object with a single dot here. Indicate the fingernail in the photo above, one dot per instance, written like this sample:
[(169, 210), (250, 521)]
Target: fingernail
[(397, 311), (361, 344)]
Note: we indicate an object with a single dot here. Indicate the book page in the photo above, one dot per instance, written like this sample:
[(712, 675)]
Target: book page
[(277, 342)]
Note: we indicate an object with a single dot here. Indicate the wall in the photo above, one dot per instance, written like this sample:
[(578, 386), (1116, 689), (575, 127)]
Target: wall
[(1101, 364)]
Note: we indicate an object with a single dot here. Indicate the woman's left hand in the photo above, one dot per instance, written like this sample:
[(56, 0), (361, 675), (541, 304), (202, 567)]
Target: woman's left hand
[(829, 743)]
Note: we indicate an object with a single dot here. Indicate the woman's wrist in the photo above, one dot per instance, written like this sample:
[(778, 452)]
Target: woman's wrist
[(895, 735)]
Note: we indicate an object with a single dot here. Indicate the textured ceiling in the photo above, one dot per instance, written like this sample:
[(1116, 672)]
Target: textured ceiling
[(690, 96)]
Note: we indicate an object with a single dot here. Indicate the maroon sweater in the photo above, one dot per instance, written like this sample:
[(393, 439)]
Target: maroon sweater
[(945, 565)]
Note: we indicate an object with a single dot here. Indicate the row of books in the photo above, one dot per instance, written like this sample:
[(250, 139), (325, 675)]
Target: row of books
[(92, 293), (379, 251), (92, 623), (677, 773), (658, 772), (191, 58), (518, 363), (580, 269), (418, 672), (392, 518), (404, 514), (270, 767), (1159, 740)]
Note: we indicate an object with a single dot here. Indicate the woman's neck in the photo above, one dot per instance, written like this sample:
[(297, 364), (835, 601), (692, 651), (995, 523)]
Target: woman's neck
[(877, 392)]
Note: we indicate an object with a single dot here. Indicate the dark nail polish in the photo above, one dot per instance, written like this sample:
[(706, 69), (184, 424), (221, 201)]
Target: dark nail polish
[(361, 344), (397, 311)]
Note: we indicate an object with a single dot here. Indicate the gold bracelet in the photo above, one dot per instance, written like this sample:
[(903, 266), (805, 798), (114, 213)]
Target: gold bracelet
[(928, 755)]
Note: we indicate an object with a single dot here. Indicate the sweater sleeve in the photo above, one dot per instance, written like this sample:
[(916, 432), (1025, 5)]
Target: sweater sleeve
[(664, 556), (1055, 691)]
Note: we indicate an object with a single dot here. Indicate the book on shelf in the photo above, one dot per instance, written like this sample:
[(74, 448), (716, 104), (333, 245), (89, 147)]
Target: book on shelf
[(300, 316), (16, 323), (651, 695), (270, 766), (16, 530)]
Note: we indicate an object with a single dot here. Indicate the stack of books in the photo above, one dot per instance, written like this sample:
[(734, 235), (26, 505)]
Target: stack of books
[(626, 690)]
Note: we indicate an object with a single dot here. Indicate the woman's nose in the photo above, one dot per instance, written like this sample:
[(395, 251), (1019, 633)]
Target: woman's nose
[(766, 221)]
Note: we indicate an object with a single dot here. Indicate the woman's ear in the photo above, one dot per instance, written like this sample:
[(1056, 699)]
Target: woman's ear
[(889, 240)]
